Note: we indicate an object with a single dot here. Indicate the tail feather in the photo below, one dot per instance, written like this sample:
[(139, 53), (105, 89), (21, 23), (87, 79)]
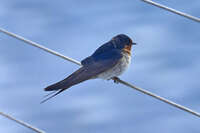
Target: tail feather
[(79, 76), (56, 89), (71, 80), (64, 84), (53, 94)]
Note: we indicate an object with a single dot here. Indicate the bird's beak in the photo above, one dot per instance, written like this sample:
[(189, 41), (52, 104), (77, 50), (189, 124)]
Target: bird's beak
[(134, 43)]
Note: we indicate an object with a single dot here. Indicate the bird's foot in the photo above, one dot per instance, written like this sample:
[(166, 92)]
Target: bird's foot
[(115, 79)]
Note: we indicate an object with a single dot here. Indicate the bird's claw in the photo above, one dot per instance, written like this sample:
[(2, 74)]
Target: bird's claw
[(116, 80)]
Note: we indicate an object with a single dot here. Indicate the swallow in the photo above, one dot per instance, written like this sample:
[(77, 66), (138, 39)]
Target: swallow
[(107, 62)]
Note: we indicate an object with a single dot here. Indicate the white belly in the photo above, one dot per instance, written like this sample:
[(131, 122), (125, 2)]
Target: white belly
[(118, 69)]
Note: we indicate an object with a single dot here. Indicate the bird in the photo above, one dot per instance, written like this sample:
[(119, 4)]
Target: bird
[(108, 62)]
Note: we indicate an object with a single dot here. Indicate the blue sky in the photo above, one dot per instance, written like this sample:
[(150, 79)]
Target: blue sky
[(165, 61)]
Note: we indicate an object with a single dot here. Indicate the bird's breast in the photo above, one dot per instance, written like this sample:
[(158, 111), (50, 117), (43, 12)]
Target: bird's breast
[(118, 69)]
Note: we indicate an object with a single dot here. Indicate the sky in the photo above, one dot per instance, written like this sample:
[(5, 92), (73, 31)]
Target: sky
[(165, 62)]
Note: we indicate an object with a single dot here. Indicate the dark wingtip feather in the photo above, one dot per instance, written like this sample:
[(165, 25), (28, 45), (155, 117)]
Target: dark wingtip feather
[(55, 86), (49, 88)]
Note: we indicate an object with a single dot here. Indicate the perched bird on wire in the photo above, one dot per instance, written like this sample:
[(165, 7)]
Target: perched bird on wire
[(107, 62)]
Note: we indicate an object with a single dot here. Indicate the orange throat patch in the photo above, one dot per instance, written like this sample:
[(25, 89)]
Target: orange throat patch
[(127, 49)]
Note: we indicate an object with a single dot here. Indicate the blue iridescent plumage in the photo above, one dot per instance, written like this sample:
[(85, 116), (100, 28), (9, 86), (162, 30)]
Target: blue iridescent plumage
[(108, 61)]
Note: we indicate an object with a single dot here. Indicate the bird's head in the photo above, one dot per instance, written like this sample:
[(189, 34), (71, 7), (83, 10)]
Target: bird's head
[(123, 42)]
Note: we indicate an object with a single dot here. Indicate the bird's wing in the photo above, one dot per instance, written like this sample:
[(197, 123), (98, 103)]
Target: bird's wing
[(104, 48), (101, 64)]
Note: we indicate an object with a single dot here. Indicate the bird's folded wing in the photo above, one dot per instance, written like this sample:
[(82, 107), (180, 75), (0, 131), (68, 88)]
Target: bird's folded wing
[(86, 72)]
